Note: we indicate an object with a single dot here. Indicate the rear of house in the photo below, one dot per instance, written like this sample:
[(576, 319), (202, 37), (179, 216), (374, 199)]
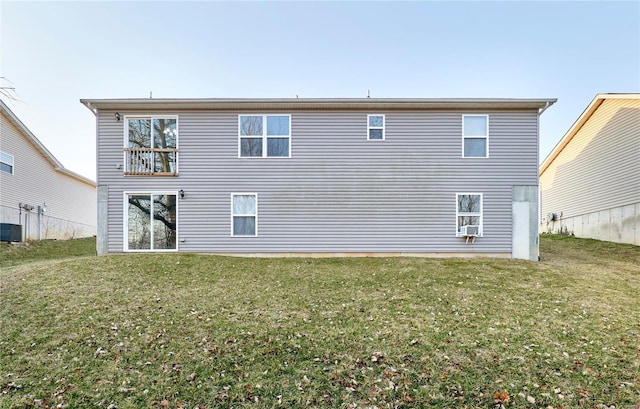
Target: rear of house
[(590, 182), (449, 177), (39, 197)]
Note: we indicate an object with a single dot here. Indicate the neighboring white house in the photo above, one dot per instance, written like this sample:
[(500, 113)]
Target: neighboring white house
[(590, 182), (36, 191)]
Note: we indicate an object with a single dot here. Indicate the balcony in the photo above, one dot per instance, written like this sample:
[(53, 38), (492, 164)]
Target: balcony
[(151, 161)]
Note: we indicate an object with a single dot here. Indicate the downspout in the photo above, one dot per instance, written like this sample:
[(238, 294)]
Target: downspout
[(20, 219), (538, 216)]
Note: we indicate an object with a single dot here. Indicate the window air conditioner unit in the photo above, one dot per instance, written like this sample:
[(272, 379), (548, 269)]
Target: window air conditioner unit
[(470, 231)]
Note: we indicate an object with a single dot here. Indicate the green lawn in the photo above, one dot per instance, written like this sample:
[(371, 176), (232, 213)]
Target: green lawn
[(197, 331)]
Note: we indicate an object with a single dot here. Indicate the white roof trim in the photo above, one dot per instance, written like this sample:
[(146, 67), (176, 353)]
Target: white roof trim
[(577, 125), (40, 147)]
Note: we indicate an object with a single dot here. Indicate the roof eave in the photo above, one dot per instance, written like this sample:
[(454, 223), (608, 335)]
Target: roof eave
[(40, 147), (579, 123), (315, 104), (76, 176), (32, 138)]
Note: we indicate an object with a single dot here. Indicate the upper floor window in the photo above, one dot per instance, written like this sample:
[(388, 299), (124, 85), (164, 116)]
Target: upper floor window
[(469, 214), (6, 163), (264, 136), (375, 127), (152, 146), (475, 136)]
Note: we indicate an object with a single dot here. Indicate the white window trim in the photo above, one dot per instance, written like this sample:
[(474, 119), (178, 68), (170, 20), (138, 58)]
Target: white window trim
[(125, 219), (243, 215), (12, 164), (384, 123), (125, 144), (486, 136), (481, 214), (264, 136)]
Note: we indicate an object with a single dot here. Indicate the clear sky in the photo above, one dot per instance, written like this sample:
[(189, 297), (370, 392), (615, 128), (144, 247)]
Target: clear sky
[(55, 53)]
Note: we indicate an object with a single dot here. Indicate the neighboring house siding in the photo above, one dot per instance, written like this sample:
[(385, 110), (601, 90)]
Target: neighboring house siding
[(70, 204), (338, 192), (598, 171)]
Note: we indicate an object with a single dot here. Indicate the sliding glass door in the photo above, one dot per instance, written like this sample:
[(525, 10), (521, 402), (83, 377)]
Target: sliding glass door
[(151, 221)]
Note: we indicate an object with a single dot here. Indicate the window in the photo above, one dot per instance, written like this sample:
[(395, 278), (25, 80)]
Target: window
[(151, 221), (375, 127), (475, 136), (469, 212), (264, 136), (151, 146), (244, 214), (6, 163)]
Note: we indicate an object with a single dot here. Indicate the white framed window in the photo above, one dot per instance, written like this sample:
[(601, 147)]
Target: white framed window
[(475, 136), (6, 163), (151, 145), (151, 221), (375, 127), (244, 214), (264, 136), (469, 213)]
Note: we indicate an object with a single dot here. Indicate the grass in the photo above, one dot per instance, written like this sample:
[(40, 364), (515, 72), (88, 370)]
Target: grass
[(13, 254), (197, 331)]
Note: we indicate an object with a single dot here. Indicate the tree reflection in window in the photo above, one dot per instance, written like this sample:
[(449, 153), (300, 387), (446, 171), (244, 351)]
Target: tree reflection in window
[(152, 221), (258, 140), (152, 145)]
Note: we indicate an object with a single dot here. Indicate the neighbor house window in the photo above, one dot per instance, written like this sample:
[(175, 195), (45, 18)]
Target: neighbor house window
[(151, 146), (244, 214), (375, 127), (264, 136), (469, 213), (475, 136), (151, 221), (6, 163)]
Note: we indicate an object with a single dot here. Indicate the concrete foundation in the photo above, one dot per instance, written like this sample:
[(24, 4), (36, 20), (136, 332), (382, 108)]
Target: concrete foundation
[(102, 244), (619, 225)]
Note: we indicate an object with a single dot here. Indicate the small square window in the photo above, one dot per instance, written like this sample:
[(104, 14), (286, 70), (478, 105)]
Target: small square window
[(375, 127)]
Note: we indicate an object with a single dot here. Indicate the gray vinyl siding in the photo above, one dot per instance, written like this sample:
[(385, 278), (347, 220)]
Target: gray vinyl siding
[(338, 192), (600, 167)]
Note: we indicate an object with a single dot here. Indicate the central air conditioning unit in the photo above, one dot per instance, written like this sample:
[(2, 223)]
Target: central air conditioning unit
[(470, 231)]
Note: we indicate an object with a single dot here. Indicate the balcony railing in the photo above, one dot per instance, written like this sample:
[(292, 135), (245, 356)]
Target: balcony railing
[(151, 161)]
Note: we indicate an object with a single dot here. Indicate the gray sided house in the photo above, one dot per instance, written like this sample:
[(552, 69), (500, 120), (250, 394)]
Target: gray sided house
[(319, 177), (590, 182)]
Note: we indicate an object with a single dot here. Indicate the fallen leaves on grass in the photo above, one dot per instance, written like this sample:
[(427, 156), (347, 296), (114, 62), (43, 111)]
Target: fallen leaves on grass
[(501, 398)]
